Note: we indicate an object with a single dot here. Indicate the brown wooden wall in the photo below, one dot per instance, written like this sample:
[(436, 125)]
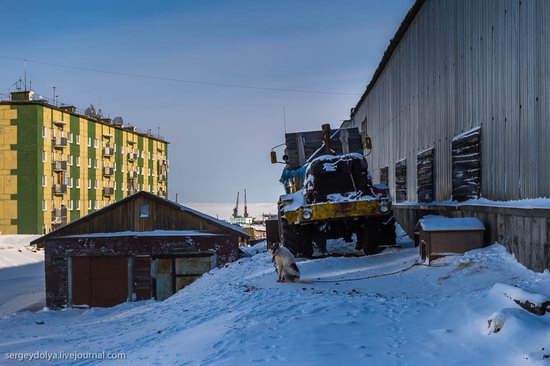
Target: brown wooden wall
[(126, 217)]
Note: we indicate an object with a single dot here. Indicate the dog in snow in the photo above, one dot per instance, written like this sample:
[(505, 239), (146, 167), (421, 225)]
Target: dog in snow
[(285, 265)]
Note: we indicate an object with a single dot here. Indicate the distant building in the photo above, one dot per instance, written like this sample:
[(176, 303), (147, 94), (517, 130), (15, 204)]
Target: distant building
[(140, 247), (57, 165)]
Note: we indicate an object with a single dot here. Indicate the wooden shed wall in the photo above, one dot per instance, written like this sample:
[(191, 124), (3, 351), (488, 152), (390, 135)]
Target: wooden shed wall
[(126, 217), (462, 64)]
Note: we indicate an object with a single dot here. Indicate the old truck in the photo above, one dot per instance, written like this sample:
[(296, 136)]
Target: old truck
[(330, 194)]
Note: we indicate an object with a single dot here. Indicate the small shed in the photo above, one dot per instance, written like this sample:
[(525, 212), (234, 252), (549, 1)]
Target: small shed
[(441, 236), (138, 248)]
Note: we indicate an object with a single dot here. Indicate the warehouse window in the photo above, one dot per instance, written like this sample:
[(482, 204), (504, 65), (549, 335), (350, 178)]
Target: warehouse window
[(144, 210), (401, 180), (466, 160), (424, 174), (384, 176)]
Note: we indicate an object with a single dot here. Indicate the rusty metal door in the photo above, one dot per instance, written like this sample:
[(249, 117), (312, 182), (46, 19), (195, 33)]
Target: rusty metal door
[(99, 281)]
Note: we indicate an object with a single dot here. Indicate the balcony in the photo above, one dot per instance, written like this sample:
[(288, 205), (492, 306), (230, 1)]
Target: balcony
[(132, 190), (59, 217), (60, 142), (132, 156), (162, 177), (60, 189), (108, 151), (108, 191), (108, 171), (59, 123), (132, 175), (59, 166), (162, 193)]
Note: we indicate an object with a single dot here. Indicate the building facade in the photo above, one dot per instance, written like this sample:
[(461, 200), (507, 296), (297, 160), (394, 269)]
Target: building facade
[(57, 165), (459, 106), (458, 109)]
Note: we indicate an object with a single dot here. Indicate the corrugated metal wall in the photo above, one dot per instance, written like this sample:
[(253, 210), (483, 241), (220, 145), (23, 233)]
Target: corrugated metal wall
[(462, 64)]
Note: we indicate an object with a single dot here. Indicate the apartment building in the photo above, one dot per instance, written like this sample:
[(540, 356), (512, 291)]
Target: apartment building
[(57, 165)]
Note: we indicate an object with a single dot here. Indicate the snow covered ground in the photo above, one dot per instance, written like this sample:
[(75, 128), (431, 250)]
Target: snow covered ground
[(239, 315), (21, 275)]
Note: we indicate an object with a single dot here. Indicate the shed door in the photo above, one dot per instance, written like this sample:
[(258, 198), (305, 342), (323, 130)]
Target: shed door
[(99, 281)]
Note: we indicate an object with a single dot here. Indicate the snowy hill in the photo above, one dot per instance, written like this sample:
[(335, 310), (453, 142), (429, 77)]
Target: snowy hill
[(239, 315), (21, 275)]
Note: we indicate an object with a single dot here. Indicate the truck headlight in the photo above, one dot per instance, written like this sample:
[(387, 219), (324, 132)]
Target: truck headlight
[(383, 207), (306, 214)]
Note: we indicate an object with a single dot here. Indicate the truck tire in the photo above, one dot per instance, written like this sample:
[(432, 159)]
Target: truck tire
[(297, 239), (376, 232), (388, 235), (368, 237)]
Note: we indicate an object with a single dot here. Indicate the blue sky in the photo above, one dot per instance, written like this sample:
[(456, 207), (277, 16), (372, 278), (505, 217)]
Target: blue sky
[(220, 137)]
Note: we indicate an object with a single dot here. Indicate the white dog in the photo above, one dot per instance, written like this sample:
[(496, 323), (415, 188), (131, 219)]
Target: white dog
[(285, 265)]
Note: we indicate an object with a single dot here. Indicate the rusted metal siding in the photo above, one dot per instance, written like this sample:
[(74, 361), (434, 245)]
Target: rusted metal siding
[(463, 64)]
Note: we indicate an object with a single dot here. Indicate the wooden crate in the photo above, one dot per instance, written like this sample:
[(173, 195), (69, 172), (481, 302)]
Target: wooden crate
[(440, 237)]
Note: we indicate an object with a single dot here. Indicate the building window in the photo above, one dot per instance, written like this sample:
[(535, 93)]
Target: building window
[(78, 161), (401, 180), (424, 176), (44, 132), (71, 137), (89, 142), (89, 162), (144, 210), (70, 160), (466, 160), (95, 143), (44, 181), (77, 182), (44, 205), (44, 156), (78, 205), (77, 139), (70, 205), (89, 204), (95, 164)]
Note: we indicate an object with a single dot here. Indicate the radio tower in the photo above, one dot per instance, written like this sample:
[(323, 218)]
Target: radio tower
[(245, 206)]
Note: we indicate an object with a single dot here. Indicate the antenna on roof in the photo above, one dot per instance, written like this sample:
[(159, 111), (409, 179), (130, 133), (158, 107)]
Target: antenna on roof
[(245, 205)]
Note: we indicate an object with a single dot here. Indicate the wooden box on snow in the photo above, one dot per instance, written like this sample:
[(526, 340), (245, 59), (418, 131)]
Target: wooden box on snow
[(443, 236)]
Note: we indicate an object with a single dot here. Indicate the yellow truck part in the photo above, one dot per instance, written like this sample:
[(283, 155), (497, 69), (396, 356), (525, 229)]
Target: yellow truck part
[(337, 210)]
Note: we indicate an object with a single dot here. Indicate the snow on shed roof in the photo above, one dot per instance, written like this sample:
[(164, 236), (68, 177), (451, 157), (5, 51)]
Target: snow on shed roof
[(153, 233), (451, 224)]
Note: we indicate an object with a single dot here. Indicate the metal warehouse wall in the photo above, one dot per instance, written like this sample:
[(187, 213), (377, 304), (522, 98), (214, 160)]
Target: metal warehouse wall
[(462, 64)]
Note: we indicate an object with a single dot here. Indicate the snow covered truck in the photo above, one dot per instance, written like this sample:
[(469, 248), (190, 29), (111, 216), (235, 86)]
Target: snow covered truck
[(330, 194)]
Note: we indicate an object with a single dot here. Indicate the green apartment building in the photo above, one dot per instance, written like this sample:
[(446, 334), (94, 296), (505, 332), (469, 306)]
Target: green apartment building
[(57, 165)]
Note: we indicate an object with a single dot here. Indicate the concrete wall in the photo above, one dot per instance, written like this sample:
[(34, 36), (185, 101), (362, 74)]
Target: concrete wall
[(524, 232), (463, 64)]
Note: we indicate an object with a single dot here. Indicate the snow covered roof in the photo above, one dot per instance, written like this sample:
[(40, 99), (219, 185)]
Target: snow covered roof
[(153, 233), (219, 223), (451, 224)]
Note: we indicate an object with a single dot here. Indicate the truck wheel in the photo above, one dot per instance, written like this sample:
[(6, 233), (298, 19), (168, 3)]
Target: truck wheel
[(376, 232), (297, 239), (387, 229), (368, 237)]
